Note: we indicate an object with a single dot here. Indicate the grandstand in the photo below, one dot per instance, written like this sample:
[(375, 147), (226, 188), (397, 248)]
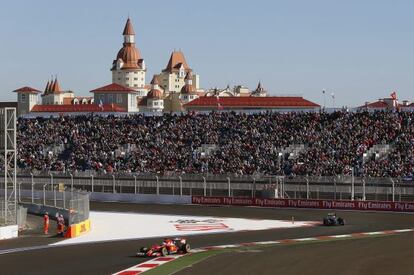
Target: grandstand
[(325, 144)]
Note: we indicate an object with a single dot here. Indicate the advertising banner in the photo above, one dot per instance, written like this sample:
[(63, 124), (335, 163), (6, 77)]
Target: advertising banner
[(304, 203)]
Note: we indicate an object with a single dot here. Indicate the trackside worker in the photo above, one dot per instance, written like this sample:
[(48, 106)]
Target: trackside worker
[(46, 223), (60, 224)]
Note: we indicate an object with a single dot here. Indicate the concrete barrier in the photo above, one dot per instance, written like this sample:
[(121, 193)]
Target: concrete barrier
[(38, 209), (139, 198), (9, 232)]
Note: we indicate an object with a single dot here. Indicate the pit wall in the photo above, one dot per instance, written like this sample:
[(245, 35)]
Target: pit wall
[(312, 204)]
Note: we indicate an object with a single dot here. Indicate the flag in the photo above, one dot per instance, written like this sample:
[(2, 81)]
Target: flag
[(394, 95), (333, 95), (101, 104)]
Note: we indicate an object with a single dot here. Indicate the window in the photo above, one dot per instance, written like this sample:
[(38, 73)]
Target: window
[(135, 78), (110, 98), (135, 85), (23, 97), (119, 78), (135, 72), (127, 78), (118, 98), (142, 79), (155, 103)]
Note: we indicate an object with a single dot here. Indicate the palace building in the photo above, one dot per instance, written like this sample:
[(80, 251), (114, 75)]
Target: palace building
[(175, 89)]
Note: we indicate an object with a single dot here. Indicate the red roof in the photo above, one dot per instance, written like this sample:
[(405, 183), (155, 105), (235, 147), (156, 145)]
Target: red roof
[(252, 102), (113, 88), (128, 30), (376, 104), (80, 108), (27, 90)]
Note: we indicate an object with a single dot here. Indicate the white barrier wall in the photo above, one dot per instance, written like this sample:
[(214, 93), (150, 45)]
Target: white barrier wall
[(139, 198), (9, 232)]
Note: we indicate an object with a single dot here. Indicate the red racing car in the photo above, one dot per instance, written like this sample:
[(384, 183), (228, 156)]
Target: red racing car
[(168, 246)]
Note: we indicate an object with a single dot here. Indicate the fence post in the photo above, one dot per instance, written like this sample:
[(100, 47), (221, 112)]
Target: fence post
[(71, 181), (228, 181), (51, 181), (135, 184), (307, 187), (181, 185), (20, 195), (254, 188), (352, 184), (54, 195), (363, 190), (393, 190), (113, 184), (92, 184), (205, 186), (64, 197), (32, 192), (158, 185), (44, 194)]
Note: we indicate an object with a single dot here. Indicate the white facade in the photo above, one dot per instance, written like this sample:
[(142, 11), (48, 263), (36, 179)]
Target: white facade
[(132, 78), (155, 105), (174, 82), (25, 102), (56, 99), (125, 100)]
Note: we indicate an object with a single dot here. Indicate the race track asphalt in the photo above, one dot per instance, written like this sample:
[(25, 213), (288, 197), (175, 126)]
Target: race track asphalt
[(109, 257)]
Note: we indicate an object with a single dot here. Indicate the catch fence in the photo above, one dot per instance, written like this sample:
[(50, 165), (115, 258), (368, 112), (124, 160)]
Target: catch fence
[(336, 188)]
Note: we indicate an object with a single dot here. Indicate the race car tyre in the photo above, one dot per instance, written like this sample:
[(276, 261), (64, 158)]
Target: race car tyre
[(341, 221), (325, 221), (185, 248), (164, 251)]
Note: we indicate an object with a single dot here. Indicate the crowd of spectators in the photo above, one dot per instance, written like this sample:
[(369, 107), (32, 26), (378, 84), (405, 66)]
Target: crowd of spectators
[(242, 143)]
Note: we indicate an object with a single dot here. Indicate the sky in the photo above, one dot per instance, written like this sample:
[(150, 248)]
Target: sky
[(358, 50)]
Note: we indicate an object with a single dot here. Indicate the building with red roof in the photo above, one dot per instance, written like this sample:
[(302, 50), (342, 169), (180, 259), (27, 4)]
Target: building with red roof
[(26, 99), (172, 78), (124, 97), (388, 103), (128, 68)]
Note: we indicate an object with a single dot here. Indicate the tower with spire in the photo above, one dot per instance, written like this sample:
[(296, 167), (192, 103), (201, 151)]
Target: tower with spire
[(54, 95), (172, 78), (188, 91), (155, 97), (260, 91), (128, 68)]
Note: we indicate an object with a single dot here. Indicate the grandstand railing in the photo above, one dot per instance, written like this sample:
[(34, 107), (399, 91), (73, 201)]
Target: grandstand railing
[(339, 187)]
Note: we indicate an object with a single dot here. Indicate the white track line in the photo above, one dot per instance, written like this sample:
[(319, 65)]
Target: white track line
[(153, 263)]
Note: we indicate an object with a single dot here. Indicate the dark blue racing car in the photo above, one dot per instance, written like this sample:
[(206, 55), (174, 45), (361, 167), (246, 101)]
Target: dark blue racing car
[(332, 219)]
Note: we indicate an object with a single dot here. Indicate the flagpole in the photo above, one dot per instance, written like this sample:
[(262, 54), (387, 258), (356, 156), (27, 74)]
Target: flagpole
[(324, 99)]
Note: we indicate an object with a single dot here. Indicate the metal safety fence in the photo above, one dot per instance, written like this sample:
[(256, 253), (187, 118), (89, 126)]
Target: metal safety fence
[(7, 214), (337, 188), (43, 192)]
